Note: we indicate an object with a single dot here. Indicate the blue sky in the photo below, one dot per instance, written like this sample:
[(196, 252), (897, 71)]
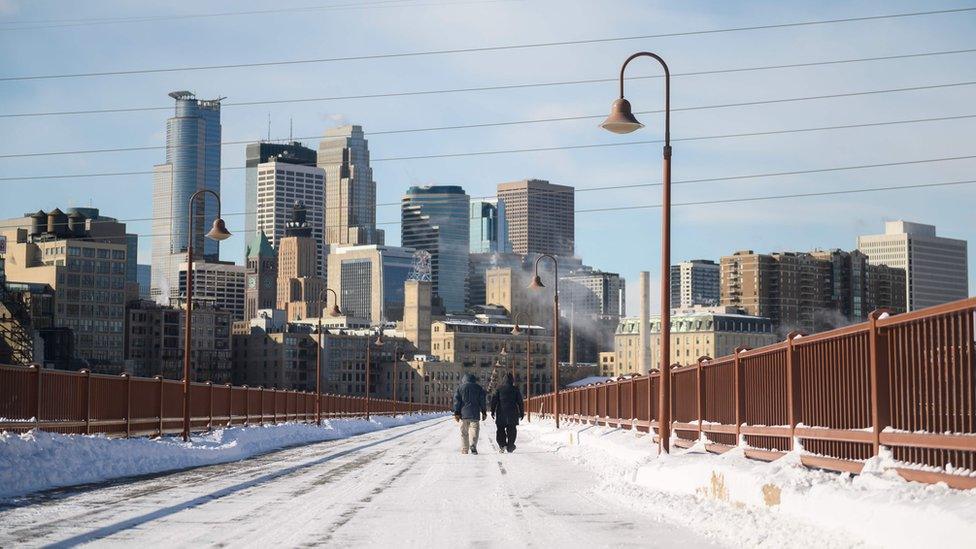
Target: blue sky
[(626, 241)]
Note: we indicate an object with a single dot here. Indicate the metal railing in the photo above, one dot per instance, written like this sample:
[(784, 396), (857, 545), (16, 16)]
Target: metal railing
[(904, 382), (83, 402)]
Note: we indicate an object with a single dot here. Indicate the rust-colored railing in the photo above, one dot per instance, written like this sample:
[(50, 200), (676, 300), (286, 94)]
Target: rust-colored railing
[(905, 382), (83, 402)]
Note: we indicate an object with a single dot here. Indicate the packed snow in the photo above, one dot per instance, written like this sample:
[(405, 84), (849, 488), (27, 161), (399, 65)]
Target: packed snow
[(39, 460), (783, 503), (407, 485)]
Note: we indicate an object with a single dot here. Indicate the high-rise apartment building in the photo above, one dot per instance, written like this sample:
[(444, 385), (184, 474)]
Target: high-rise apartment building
[(350, 192), (810, 292), (936, 267), (695, 282), (435, 219), (489, 228), (369, 280), (262, 276), (87, 272), (192, 164), (220, 283), (280, 186), (539, 216), (259, 153)]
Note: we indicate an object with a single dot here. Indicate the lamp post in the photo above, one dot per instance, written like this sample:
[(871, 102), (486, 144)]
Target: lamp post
[(621, 120), (396, 362), (528, 365), (537, 285), (218, 232), (334, 312)]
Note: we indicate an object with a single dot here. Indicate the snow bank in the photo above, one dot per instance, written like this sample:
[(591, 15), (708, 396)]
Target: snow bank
[(731, 497), (39, 460)]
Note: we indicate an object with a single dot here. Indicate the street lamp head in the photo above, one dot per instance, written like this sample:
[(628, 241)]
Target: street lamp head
[(334, 311), (219, 230), (517, 330), (503, 352), (536, 283), (379, 341), (621, 118)]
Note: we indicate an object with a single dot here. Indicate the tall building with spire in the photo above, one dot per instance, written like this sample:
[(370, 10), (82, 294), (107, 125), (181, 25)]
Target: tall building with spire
[(350, 192), (262, 276), (298, 282), (192, 164)]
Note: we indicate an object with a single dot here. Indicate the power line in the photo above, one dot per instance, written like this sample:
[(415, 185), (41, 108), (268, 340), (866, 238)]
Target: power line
[(62, 23), (506, 47), (504, 123), (500, 87), (544, 149), (622, 186), (673, 204)]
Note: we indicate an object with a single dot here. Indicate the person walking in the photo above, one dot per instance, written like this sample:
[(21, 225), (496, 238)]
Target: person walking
[(469, 403), (507, 409)]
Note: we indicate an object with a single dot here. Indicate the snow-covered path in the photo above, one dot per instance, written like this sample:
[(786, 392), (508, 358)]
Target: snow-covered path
[(404, 486)]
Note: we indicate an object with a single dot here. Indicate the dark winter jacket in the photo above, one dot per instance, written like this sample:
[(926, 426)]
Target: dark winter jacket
[(506, 404), (469, 399)]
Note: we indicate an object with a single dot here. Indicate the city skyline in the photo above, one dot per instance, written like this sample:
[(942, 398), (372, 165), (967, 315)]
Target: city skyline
[(699, 231)]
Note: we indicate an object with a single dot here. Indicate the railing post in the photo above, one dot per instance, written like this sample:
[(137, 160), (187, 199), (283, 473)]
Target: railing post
[(128, 404), (792, 385), (37, 405), (700, 391), (160, 378), (880, 401), (230, 404), (247, 415), (210, 420), (740, 397), (633, 401), (87, 373), (274, 405), (617, 387)]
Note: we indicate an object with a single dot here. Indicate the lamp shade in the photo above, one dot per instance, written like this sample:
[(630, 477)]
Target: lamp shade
[(536, 283), (621, 119), (219, 230), (516, 330), (334, 311)]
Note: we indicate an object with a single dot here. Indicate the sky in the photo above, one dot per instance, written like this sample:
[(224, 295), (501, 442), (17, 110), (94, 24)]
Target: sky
[(45, 37)]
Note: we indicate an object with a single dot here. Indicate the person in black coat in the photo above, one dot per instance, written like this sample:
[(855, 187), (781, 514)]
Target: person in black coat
[(507, 409)]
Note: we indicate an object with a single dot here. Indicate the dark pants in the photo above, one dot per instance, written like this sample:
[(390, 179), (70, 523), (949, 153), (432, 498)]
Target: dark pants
[(505, 435)]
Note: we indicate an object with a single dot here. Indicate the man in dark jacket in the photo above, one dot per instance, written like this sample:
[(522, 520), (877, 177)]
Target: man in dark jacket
[(507, 408), (469, 403)]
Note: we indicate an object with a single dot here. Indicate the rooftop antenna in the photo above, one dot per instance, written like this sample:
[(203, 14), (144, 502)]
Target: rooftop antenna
[(269, 127), (291, 128)]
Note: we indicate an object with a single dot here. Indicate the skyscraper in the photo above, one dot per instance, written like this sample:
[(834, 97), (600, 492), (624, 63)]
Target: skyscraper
[(259, 153), (435, 219), (369, 280), (282, 184), (489, 228), (695, 282), (350, 192), (192, 164), (539, 216), (936, 267)]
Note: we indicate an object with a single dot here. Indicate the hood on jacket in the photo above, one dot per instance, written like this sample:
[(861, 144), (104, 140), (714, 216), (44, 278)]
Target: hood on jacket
[(469, 378), (509, 380)]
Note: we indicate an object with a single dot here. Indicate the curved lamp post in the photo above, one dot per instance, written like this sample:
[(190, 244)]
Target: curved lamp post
[(333, 312), (621, 120), (218, 232), (538, 285), (516, 331)]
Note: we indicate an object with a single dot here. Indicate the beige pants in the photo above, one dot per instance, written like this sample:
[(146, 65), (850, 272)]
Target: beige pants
[(469, 434)]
